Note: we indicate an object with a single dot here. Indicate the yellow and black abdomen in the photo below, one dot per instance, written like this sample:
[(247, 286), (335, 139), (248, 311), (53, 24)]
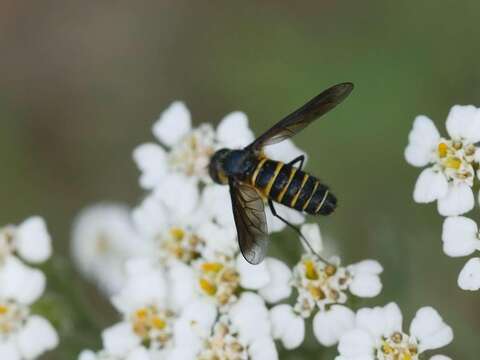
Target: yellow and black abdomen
[(292, 187)]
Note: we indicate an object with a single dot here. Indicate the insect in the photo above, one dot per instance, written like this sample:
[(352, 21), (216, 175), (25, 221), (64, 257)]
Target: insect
[(255, 180)]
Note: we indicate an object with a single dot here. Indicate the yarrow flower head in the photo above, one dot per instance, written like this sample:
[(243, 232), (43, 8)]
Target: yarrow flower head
[(324, 288), (187, 150), (103, 238), (378, 334), (453, 161)]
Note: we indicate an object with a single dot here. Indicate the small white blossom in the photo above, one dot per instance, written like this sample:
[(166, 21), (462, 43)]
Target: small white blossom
[(144, 304), (378, 334), (30, 240), (453, 160), (22, 334), (103, 238), (287, 326), (187, 150), (320, 285)]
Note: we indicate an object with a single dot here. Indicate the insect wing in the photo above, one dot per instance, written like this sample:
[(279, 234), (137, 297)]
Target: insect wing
[(250, 220), (301, 118)]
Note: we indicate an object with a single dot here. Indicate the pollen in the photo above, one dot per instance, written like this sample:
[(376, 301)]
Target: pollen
[(310, 271), (3, 309), (453, 163), (208, 287), (177, 233), (158, 323), (214, 267), (442, 150), (141, 313)]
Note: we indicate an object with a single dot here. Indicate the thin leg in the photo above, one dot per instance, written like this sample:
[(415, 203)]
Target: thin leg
[(297, 230), (300, 159)]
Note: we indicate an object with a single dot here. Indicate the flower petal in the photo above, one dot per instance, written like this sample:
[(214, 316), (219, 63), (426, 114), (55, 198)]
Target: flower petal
[(178, 193), (182, 284), (356, 344), (145, 284), (33, 240), (284, 151), (366, 282), (469, 277), (329, 326), (10, 351), (36, 337), (422, 140), (119, 339), (233, 131), (312, 233), (20, 282), (463, 121), (174, 123), (458, 200), (380, 321), (250, 316), (430, 330), (291, 215), (440, 357), (87, 355), (252, 277), (263, 349), (151, 159), (150, 218), (287, 326), (430, 186), (459, 236), (278, 288)]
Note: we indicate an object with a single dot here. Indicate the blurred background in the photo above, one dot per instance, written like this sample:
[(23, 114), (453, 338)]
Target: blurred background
[(82, 82)]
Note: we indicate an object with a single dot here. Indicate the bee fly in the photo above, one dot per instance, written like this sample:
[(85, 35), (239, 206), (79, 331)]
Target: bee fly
[(253, 178)]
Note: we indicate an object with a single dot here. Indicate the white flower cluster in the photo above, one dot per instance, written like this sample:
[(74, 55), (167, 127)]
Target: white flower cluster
[(23, 335), (187, 293), (449, 180)]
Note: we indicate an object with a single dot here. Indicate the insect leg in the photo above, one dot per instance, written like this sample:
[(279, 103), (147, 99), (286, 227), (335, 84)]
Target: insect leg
[(300, 159), (297, 230)]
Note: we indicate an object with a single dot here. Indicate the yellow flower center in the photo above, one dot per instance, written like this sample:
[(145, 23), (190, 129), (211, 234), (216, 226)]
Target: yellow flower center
[(151, 324), (442, 150), (219, 280), (398, 346)]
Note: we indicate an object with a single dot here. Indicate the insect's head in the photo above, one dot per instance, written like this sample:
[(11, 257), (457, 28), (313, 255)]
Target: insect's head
[(216, 168)]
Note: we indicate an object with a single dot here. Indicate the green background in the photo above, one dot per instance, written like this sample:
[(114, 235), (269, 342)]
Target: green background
[(82, 82)]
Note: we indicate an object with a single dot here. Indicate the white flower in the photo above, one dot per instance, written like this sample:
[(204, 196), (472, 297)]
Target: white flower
[(378, 334), (23, 336), (452, 172), (103, 238), (244, 332), (187, 150), (30, 240), (320, 285), (143, 302), (221, 278)]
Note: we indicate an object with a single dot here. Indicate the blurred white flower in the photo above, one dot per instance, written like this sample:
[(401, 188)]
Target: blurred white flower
[(22, 335), (103, 238), (287, 326), (451, 175), (378, 334), (187, 150), (30, 240)]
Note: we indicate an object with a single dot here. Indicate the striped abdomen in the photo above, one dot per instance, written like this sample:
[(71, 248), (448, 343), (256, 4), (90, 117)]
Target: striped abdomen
[(294, 188)]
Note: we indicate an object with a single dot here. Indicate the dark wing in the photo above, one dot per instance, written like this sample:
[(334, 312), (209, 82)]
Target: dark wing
[(250, 220), (301, 118)]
